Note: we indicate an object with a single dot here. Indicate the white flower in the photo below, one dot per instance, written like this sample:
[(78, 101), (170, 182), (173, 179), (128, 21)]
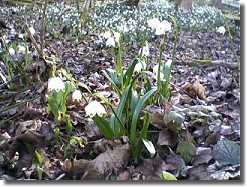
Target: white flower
[(155, 69), (11, 51), (106, 35), (117, 36), (76, 96), (21, 36), (159, 27), (31, 30), (140, 66), (93, 108), (110, 42), (163, 27), (145, 50), (21, 49), (221, 30), (55, 84), (153, 23)]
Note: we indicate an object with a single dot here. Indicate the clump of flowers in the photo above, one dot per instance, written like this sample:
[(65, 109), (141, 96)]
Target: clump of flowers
[(58, 92)]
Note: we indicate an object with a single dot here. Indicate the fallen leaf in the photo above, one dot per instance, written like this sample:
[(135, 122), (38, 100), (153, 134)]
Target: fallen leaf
[(166, 176), (105, 163), (186, 150), (203, 155), (227, 152), (167, 137)]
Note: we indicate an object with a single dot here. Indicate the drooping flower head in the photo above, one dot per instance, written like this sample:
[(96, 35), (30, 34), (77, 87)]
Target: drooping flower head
[(31, 30), (93, 108), (141, 65), (221, 30), (144, 51), (55, 84), (11, 51), (159, 27), (76, 96)]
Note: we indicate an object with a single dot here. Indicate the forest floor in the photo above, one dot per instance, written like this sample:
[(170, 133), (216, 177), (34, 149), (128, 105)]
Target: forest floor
[(206, 94)]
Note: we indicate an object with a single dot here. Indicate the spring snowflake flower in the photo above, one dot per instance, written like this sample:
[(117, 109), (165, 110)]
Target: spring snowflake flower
[(106, 35), (153, 23), (144, 51), (163, 27), (11, 51), (117, 36), (31, 30), (55, 84), (93, 108), (221, 30), (141, 65), (110, 42), (21, 49), (76, 96), (159, 27), (155, 69)]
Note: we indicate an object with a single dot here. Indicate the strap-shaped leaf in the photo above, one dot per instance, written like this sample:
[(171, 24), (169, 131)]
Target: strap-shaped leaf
[(136, 114), (104, 126), (128, 75), (116, 126), (112, 77)]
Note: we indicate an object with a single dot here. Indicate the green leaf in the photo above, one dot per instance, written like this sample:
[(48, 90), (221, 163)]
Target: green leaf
[(40, 157), (187, 150), (104, 127), (116, 126), (145, 126), (136, 114), (150, 147), (167, 71), (167, 176), (113, 79), (128, 75)]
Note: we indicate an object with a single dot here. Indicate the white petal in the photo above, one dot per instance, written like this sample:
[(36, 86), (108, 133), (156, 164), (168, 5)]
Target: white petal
[(11, 51), (76, 96), (93, 108), (110, 42), (150, 147), (55, 84), (31, 30)]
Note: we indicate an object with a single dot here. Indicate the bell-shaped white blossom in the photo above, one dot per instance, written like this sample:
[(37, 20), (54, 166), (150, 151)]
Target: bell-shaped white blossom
[(159, 27), (153, 23), (32, 30), (76, 96), (156, 70), (106, 34), (144, 51), (110, 42), (117, 36), (93, 108), (221, 30), (55, 84), (141, 65), (21, 49), (11, 51), (163, 27)]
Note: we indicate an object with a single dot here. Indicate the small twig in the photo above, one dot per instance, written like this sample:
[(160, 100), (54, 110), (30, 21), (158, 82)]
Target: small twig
[(18, 104)]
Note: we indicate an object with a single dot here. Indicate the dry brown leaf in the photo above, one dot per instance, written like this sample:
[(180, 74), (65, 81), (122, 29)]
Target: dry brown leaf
[(102, 165), (195, 89)]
